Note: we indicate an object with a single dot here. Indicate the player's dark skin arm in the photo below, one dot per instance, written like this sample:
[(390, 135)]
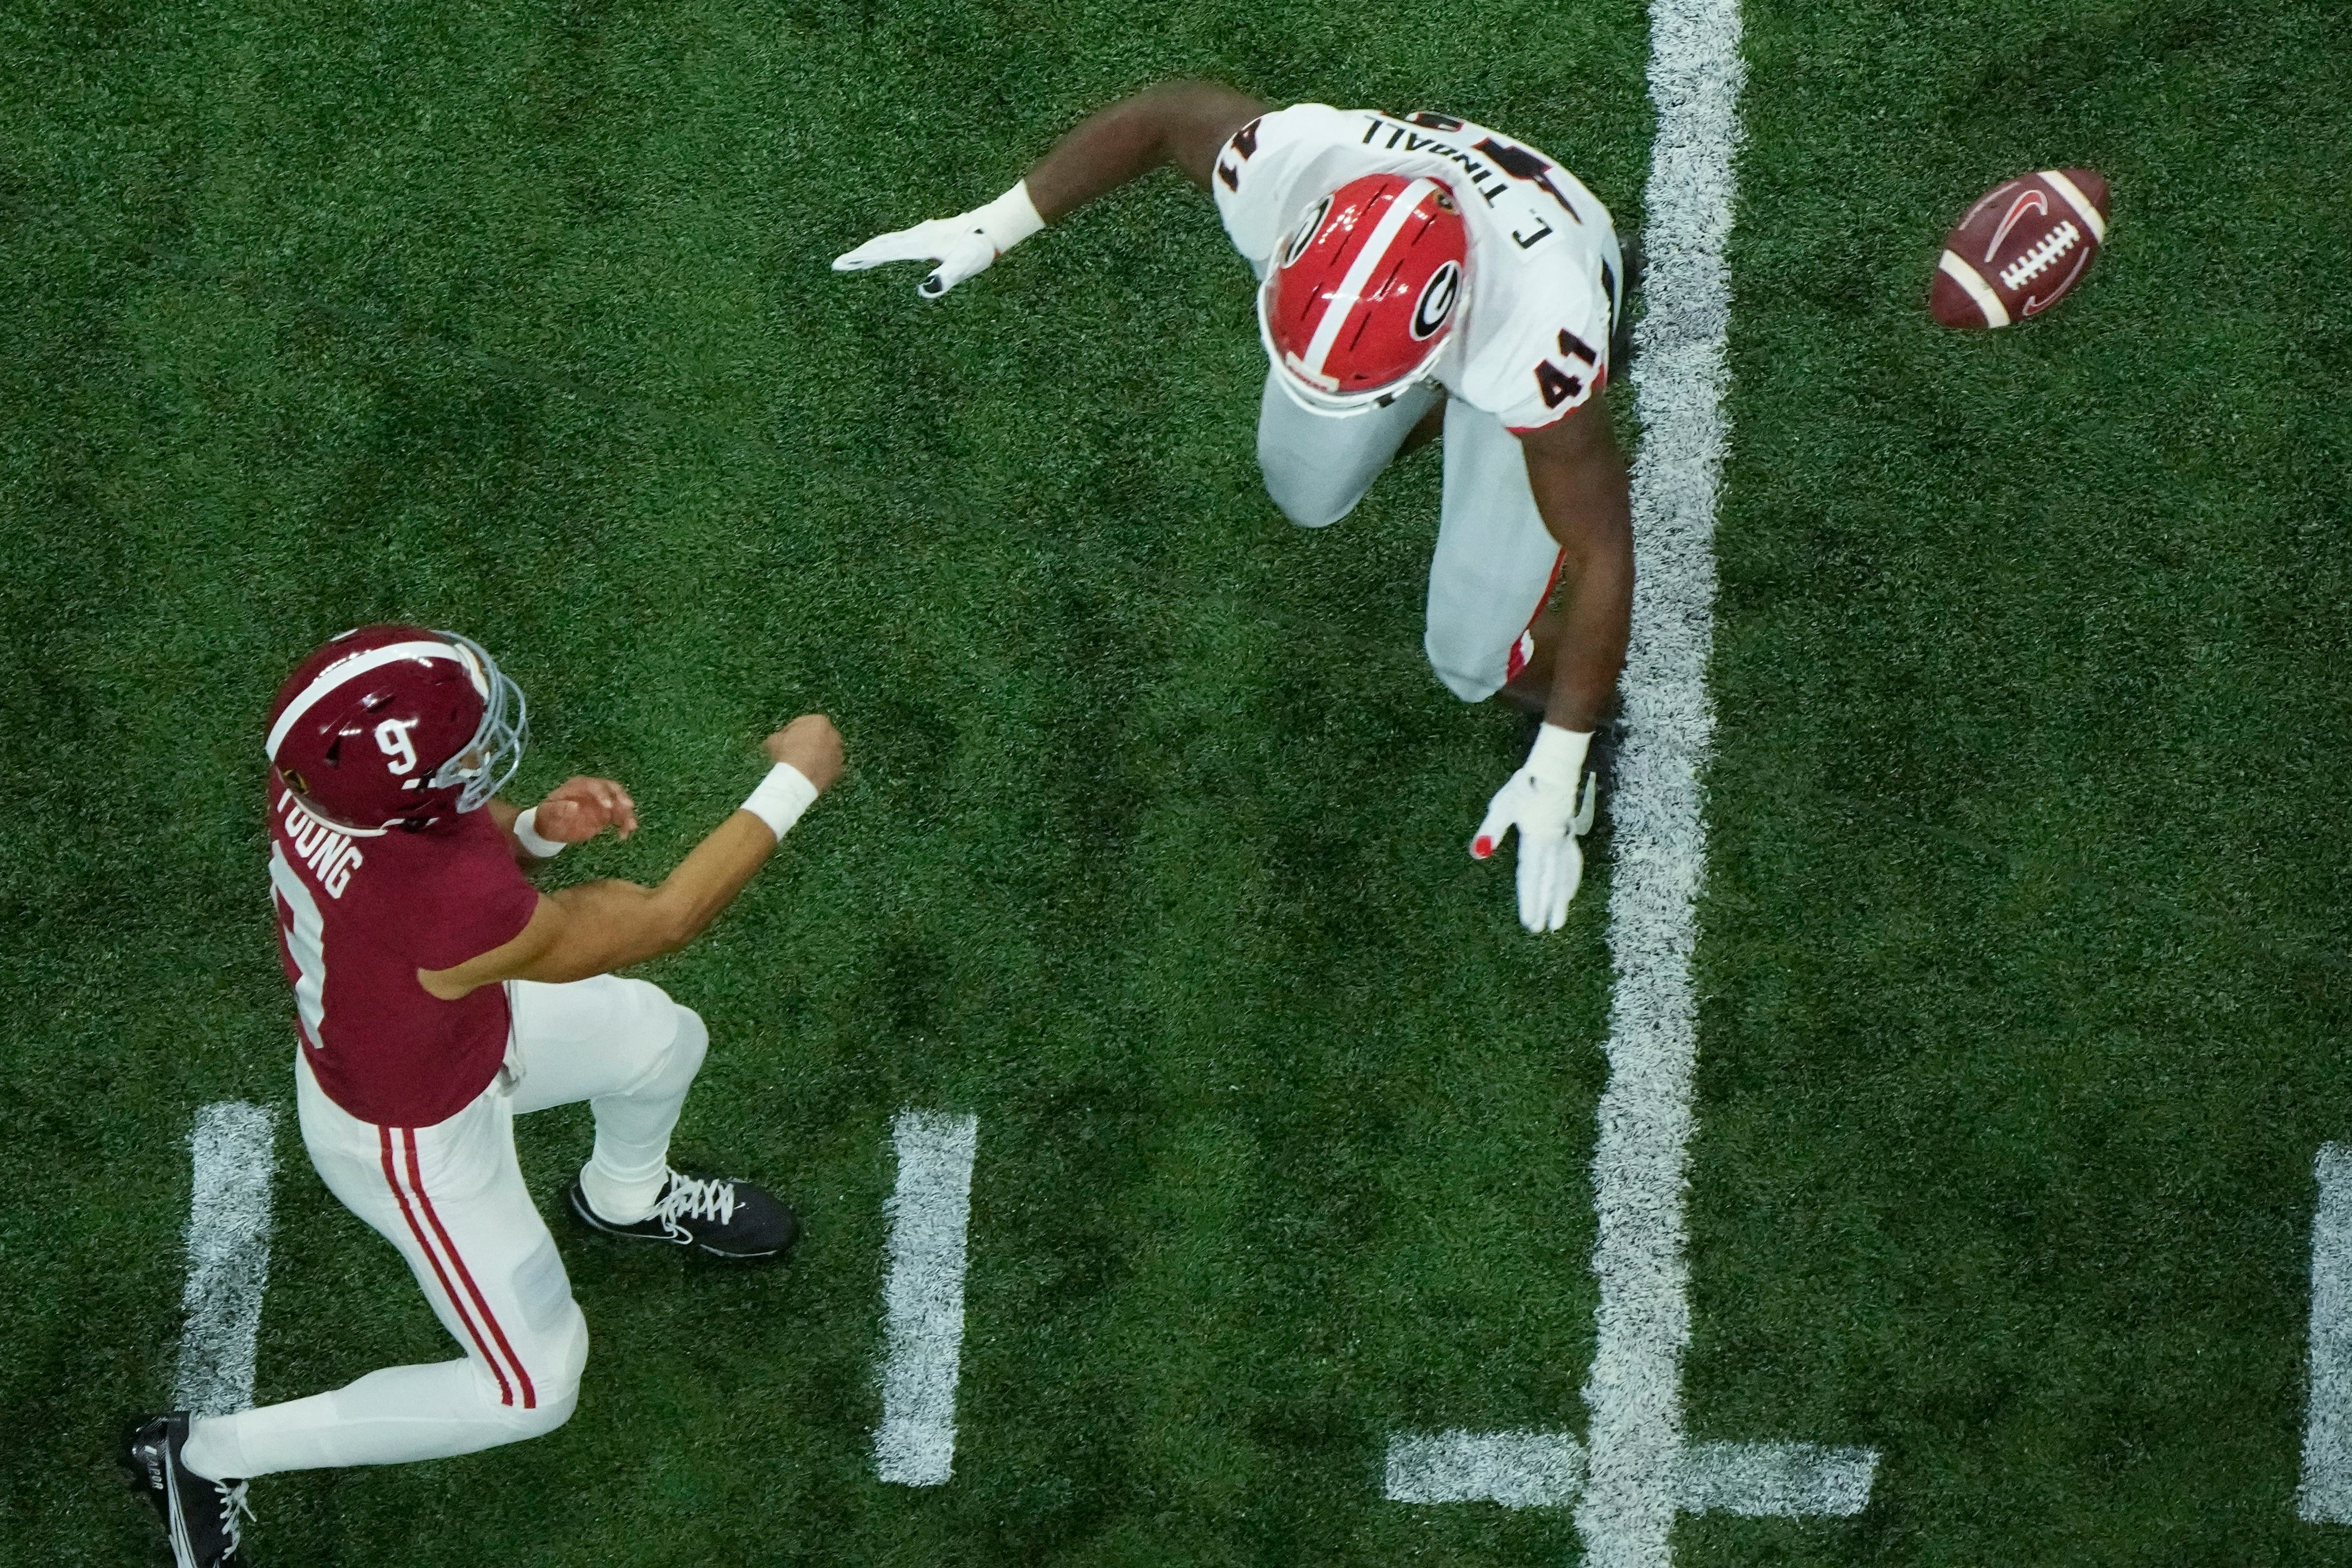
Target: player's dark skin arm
[(1179, 123), (1582, 491), (598, 927)]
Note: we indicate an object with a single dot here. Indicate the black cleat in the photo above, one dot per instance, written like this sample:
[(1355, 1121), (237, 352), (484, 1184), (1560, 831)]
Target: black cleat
[(724, 1218), (201, 1515)]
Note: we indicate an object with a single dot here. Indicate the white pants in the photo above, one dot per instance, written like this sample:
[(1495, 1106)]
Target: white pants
[(451, 1198), (1494, 561)]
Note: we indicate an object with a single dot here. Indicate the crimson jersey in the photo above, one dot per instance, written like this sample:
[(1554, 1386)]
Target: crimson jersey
[(358, 915)]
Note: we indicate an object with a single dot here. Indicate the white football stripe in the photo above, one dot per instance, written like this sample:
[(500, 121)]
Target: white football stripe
[(2079, 202), (1360, 272), (1996, 314)]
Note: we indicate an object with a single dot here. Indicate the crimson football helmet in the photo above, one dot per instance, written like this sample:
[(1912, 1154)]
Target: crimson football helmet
[(1358, 302), (395, 726)]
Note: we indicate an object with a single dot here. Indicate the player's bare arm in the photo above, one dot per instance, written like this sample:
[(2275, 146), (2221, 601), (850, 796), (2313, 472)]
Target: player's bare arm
[(598, 927), (1578, 479), (1582, 491), (1179, 123)]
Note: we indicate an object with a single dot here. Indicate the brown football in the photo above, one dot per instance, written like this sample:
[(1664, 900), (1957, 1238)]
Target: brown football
[(2018, 251)]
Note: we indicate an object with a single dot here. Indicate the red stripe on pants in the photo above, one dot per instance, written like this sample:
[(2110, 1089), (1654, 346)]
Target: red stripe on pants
[(416, 1179), (392, 1180)]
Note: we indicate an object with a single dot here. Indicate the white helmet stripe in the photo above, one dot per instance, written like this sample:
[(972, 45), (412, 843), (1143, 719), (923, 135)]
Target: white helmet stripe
[(351, 668), (1360, 272)]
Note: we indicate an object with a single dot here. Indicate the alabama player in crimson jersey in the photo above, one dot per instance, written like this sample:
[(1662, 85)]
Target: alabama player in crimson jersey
[(1416, 273), (437, 994)]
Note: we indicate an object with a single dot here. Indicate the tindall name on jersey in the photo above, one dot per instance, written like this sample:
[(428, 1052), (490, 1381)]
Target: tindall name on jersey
[(1492, 180), (328, 852)]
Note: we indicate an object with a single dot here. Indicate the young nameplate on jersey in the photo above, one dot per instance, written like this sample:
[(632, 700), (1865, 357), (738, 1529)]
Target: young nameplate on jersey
[(1417, 274), (438, 995)]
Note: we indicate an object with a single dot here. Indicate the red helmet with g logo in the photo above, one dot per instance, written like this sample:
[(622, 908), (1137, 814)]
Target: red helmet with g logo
[(1357, 305), (395, 726)]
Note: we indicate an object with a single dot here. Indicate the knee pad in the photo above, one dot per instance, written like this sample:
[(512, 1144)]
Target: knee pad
[(1302, 490), (1303, 498), (672, 1039), (553, 1409), (686, 1050), (1469, 685), (555, 1382)]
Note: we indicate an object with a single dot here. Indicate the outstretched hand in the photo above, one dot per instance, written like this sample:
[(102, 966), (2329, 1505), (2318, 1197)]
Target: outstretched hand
[(580, 808), (1543, 800), (958, 244), (811, 744)]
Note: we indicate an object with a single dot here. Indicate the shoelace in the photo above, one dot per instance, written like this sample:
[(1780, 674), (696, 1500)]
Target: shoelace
[(232, 1504), (689, 1199)]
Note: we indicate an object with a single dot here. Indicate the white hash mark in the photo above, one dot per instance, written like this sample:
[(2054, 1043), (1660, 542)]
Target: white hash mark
[(923, 1297), (2325, 1495), (232, 1158)]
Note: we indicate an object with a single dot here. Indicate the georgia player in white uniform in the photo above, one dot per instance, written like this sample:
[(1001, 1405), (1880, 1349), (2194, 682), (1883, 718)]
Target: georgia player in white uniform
[(1413, 269), (437, 995)]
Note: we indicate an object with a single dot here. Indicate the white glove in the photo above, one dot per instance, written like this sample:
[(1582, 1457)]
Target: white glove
[(1540, 801), (964, 246)]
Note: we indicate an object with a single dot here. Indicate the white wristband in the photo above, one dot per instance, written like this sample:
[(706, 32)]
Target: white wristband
[(526, 832), (1558, 754), (781, 798), (1009, 219)]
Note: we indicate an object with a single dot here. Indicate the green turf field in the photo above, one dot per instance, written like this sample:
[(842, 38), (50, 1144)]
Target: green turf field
[(2023, 958)]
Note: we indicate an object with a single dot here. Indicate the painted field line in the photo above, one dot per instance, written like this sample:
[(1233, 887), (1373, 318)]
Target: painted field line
[(1637, 1471), (232, 1157), (923, 1296), (1518, 1470), (1634, 1392), (1775, 1480), (2325, 1495), (1546, 1470)]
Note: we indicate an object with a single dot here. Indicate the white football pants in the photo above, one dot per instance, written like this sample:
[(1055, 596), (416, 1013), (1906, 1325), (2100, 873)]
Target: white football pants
[(1494, 561), (451, 1198)]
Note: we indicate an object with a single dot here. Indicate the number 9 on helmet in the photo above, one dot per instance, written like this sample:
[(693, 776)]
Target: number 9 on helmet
[(1357, 300), (395, 726)]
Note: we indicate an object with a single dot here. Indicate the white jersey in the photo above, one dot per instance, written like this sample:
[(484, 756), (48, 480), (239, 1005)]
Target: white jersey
[(1531, 343)]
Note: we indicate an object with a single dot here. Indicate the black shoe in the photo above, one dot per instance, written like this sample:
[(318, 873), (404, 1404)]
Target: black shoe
[(200, 1514), (724, 1218)]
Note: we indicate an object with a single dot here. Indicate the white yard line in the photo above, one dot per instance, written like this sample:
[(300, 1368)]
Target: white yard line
[(1634, 1473), (2325, 1495), (233, 1158), (1634, 1392), (923, 1297)]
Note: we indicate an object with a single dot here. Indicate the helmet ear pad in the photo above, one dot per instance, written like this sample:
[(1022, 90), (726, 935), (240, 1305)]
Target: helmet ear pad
[(1361, 295)]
